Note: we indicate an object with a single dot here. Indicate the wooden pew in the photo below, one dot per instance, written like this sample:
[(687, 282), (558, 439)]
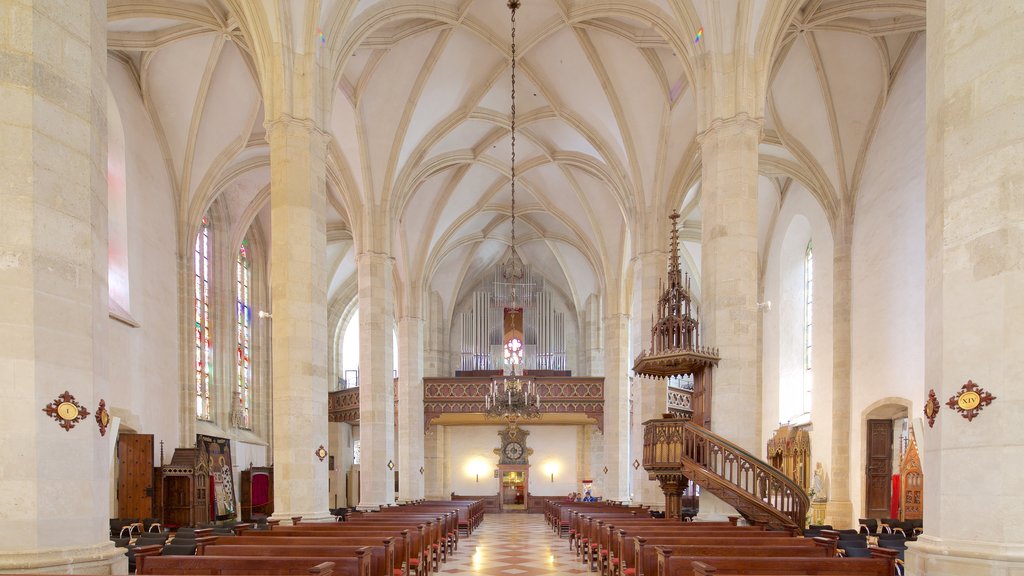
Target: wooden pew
[(382, 560), (638, 552), (881, 563), (295, 566), (621, 544), (402, 545), (420, 539)]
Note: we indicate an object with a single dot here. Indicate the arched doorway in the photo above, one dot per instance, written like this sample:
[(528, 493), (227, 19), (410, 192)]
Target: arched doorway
[(886, 427)]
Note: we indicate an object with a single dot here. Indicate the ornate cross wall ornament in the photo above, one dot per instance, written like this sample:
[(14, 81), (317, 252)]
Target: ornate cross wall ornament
[(970, 400), (66, 411)]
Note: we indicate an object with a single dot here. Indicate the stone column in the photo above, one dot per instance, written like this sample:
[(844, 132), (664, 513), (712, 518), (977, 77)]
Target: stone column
[(376, 380), (434, 463), (341, 450), (595, 345), (650, 395), (410, 409), (298, 290), (616, 407), (839, 509), (974, 288), (54, 483), (729, 272)]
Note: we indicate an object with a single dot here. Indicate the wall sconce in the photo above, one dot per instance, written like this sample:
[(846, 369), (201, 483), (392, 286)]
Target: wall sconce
[(550, 468)]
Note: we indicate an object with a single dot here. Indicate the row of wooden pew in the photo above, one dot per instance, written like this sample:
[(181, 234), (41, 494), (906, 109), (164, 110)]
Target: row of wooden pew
[(623, 541), (408, 540)]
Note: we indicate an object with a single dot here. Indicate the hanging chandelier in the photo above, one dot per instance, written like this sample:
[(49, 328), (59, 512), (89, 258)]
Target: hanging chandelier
[(513, 397)]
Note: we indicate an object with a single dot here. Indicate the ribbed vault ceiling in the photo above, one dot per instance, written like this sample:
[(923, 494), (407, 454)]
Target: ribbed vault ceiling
[(419, 121)]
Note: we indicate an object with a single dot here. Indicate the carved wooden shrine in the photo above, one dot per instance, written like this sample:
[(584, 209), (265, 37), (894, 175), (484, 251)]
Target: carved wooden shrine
[(789, 450), (912, 481)]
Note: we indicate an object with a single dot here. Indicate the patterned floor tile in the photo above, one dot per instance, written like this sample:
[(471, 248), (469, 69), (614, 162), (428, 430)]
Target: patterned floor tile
[(515, 544)]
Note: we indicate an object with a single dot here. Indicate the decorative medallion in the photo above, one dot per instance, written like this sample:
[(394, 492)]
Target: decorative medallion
[(605, 469), (970, 400), (421, 469), (636, 464), (931, 408), (66, 411), (103, 417), (391, 465), (321, 452)]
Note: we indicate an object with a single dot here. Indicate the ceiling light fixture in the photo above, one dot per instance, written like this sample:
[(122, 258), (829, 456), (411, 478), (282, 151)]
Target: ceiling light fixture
[(513, 397)]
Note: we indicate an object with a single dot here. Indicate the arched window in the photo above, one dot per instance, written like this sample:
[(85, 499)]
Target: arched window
[(808, 322), (243, 338), (203, 340), (117, 214)]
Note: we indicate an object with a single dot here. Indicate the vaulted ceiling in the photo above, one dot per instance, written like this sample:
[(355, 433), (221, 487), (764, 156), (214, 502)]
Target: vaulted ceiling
[(419, 121)]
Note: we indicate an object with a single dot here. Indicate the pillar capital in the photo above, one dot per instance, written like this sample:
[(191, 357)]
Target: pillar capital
[(282, 122), (742, 123)]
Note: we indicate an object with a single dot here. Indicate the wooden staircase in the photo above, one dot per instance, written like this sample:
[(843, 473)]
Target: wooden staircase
[(758, 491)]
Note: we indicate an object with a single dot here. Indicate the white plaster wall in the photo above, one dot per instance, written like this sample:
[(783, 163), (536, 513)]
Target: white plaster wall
[(472, 447), (470, 450), (888, 259), (144, 370), (800, 219), (556, 446)]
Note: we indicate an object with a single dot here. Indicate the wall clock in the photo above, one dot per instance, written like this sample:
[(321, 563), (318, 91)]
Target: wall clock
[(513, 450)]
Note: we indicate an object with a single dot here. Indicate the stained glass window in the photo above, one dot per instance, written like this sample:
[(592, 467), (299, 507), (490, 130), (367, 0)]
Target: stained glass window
[(203, 341), (243, 338)]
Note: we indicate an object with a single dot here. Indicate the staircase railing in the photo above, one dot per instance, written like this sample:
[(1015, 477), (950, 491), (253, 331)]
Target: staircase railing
[(690, 449)]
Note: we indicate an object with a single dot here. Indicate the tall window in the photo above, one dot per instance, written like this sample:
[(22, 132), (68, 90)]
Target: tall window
[(203, 343), (808, 303), (808, 322), (243, 337)]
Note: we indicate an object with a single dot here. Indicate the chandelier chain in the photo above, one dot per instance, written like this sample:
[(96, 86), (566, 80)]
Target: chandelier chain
[(513, 5)]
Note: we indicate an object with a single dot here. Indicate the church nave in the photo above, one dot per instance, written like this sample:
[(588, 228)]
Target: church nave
[(513, 543)]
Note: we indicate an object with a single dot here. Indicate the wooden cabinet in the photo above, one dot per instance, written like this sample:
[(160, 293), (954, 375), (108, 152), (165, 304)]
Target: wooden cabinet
[(256, 492)]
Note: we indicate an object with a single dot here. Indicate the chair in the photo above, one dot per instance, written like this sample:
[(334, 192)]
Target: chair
[(150, 538), (868, 525), (856, 552), (121, 542), (175, 549), (152, 525)]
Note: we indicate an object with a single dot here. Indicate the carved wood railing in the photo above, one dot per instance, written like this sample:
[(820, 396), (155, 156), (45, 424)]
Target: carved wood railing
[(465, 395), (758, 491)]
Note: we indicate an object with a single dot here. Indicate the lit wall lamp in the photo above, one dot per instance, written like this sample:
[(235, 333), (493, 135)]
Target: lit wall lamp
[(551, 468)]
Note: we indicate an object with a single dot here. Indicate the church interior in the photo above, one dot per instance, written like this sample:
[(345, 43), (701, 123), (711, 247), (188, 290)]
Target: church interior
[(264, 259)]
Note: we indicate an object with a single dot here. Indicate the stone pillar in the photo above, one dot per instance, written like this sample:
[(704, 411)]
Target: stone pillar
[(974, 288), (54, 483), (595, 344), (434, 358), (376, 380), (839, 509), (650, 395), (434, 463), (410, 409), (616, 407), (341, 450), (298, 290), (729, 273)]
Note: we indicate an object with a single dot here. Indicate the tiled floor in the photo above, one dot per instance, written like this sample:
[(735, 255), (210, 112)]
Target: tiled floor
[(515, 544)]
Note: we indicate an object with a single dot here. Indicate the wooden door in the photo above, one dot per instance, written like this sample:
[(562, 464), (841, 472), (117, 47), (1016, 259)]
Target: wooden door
[(135, 475), (879, 469)]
